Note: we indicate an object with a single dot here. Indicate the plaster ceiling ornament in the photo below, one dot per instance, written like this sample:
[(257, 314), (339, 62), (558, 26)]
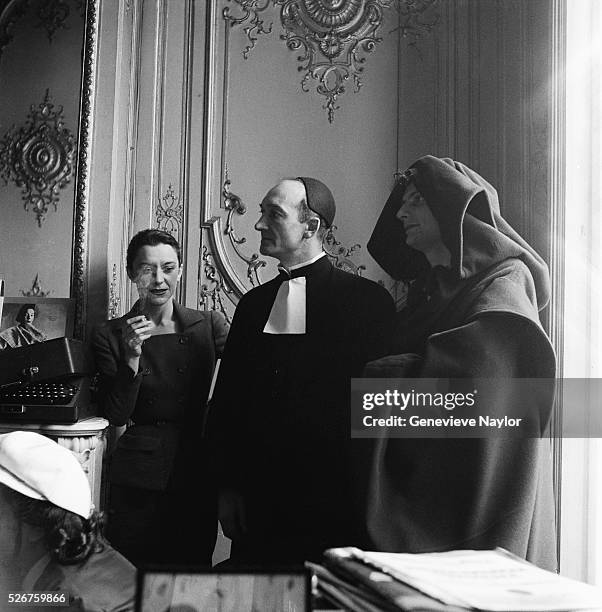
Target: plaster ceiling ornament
[(334, 36), (39, 157)]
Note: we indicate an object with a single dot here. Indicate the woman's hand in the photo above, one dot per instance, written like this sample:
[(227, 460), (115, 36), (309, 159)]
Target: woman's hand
[(136, 331)]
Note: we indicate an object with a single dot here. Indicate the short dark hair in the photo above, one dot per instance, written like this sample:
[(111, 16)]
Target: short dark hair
[(20, 318), (69, 537), (151, 237), (306, 213)]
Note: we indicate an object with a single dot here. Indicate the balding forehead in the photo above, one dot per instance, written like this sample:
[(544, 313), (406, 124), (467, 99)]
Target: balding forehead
[(289, 189)]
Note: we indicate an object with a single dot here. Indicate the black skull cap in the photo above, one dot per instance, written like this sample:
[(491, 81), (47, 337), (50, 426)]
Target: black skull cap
[(319, 198)]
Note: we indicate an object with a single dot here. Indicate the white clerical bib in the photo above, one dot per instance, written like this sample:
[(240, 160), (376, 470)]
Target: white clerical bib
[(288, 314)]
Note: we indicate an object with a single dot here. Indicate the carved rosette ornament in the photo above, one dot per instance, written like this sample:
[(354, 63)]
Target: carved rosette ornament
[(39, 157), (334, 36)]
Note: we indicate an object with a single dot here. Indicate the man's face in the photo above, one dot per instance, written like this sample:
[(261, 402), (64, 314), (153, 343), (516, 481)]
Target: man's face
[(29, 316), (156, 272), (281, 231), (421, 227)]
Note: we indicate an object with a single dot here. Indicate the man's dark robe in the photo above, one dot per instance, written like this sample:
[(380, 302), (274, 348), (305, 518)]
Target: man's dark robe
[(476, 319), (280, 414)]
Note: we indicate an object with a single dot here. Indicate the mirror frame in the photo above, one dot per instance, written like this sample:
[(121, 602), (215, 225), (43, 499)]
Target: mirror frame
[(79, 257), (11, 11)]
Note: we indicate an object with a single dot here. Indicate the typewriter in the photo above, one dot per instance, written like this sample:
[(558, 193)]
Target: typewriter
[(46, 382)]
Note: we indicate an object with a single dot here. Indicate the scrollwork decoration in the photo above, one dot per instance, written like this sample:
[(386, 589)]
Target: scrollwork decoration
[(334, 36), (213, 287), (52, 15), (114, 299), (39, 157), (169, 213), (36, 289), (416, 18), (250, 12), (339, 254), (235, 206)]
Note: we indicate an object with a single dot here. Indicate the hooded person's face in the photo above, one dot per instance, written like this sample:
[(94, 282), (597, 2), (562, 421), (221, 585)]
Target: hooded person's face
[(421, 228)]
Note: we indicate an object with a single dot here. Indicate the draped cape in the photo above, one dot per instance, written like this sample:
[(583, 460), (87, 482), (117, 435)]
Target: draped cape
[(476, 319)]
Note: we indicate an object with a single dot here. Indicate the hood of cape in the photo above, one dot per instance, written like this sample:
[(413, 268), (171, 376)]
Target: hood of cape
[(467, 209)]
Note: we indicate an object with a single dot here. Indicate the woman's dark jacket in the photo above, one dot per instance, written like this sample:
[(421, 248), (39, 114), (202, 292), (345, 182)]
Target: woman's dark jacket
[(166, 400)]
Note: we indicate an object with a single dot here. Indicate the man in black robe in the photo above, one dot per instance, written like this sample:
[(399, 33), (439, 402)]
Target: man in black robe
[(291, 483)]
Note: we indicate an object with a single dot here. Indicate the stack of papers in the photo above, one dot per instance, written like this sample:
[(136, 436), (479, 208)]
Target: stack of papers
[(453, 581)]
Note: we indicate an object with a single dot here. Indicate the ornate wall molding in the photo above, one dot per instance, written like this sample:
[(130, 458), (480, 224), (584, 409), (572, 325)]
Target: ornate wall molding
[(36, 289), (212, 288), (333, 36), (52, 16), (114, 297), (235, 206), (79, 272), (169, 213), (251, 10), (339, 254), (39, 157)]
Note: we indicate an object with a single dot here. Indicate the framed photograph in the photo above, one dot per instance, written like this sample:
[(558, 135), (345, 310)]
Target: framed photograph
[(27, 320), (224, 589)]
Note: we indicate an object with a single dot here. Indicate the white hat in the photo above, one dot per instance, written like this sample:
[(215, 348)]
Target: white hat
[(38, 467)]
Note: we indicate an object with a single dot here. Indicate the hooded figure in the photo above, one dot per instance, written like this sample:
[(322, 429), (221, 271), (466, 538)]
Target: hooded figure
[(472, 312)]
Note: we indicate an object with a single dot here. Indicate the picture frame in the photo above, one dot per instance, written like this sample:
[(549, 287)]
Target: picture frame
[(240, 589), (52, 318)]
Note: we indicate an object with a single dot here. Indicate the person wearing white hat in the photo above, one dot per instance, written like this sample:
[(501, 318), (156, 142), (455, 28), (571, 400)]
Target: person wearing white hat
[(50, 536)]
